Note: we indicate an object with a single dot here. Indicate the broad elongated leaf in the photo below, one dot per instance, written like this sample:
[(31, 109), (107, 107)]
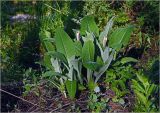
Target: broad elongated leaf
[(106, 30), (105, 67), (45, 35), (88, 24), (99, 46), (64, 44), (143, 79), (120, 37), (71, 88), (56, 65), (78, 48), (99, 61), (92, 65), (70, 73), (105, 54), (77, 66), (57, 55), (128, 59), (88, 52)]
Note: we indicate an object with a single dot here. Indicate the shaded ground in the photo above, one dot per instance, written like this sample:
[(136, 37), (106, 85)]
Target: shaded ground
[(8, 102), (54, 101)]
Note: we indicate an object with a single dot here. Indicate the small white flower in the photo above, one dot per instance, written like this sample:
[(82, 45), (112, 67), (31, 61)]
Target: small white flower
[(97, 89), (104, 41), (78, 35)]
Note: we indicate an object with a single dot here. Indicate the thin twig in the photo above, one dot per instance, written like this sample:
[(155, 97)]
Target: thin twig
[(20, 98), (59, 108), (30, 108)]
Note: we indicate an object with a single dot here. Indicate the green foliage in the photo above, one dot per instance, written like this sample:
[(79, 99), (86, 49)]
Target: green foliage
[(117, 77), (88, 24), (144, 19), (88, 52), (72, 65), (96, 104), (13, 38), (64, 43), (104, 10), (99, 9), (31, 82), (52, 16), (65, 49), (106, 30), (152, 69), (91, 84), (44, 35), (122, 18), (71, 88), (64, 56), (145, 93), (128, 59), (120, 37), (78, 48)]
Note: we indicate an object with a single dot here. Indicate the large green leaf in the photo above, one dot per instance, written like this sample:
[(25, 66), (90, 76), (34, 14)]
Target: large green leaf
[(105, 54), (64, 44), (77, 65), (120, 37), (88, 24), (56, 65), (57, 55), (106, 30), (71, 88), (99, 61), (92, 65), (104, 67), (78, 48), (88, 52)]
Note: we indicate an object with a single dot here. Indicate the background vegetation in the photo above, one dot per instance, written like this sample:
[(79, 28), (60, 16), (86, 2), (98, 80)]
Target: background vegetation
[(24, 62)]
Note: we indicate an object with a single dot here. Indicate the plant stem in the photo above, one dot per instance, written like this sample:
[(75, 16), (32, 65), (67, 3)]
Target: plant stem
[(89, 75)]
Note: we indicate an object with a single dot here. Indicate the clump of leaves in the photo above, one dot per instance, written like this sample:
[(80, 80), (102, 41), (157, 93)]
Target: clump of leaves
[(119, 75), (31, 82), (96, 103), (66, 60), (145, 92)]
